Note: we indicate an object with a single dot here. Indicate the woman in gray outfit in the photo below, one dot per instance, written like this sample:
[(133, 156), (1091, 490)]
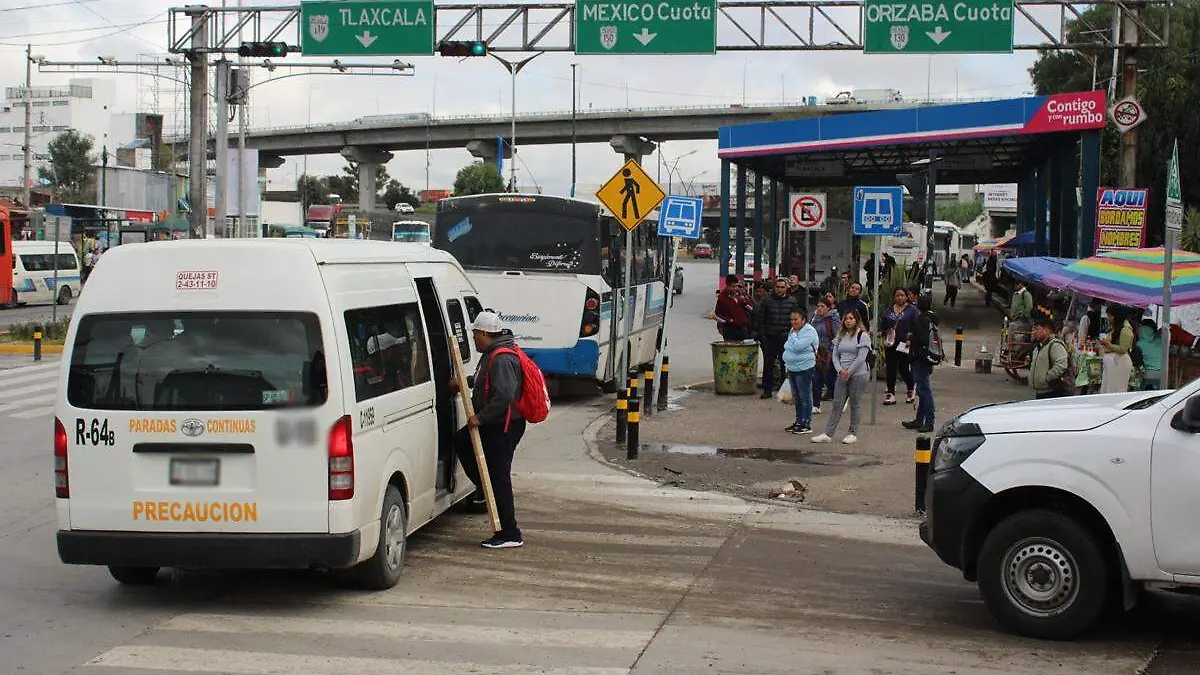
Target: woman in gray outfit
[(850, 360)]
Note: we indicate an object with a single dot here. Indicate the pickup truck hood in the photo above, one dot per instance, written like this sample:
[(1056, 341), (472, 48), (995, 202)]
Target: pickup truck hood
[(1071, 413)]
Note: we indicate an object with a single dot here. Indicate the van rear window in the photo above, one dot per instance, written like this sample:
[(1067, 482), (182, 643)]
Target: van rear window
[(197, 361)]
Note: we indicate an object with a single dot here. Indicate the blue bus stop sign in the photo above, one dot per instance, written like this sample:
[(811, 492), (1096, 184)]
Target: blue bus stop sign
[(680, 217), (878, 210)]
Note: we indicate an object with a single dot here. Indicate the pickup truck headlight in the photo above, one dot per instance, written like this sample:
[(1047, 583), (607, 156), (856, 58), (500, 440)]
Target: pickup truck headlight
[(954, 450)]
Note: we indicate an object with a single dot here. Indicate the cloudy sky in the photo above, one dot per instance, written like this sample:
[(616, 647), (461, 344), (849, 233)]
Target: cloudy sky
[(83, 29)]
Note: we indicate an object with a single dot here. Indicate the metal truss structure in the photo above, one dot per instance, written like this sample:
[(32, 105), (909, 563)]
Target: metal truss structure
[(743, 25)]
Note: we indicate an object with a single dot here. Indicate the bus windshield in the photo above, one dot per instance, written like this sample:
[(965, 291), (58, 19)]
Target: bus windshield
[(411, 231), (520, 232)]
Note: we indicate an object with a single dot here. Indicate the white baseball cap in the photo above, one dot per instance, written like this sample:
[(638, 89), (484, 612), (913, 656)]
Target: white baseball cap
[(487, 322)]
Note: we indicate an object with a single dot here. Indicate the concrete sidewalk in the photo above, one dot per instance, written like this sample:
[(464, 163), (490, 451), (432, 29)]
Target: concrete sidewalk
[(737, 444)]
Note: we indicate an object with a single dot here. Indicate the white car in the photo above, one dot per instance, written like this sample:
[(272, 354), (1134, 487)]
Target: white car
[(1059, 507), (404, 207)]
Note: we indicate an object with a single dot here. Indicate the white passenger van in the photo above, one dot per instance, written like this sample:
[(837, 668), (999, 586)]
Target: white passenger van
[(260, 404), (33, 273)]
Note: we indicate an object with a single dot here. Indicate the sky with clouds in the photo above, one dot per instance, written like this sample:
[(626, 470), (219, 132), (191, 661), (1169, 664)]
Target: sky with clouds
[(83, 29)]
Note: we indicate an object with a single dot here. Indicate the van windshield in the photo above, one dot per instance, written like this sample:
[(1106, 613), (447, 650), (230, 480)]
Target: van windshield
[(175, 361)]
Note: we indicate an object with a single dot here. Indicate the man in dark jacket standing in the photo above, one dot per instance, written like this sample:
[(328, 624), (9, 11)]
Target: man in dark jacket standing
[(922, 369), (774, 320), (494, 393)]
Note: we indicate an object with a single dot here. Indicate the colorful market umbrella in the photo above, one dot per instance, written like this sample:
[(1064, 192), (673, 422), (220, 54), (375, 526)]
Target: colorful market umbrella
[(1131, 277)]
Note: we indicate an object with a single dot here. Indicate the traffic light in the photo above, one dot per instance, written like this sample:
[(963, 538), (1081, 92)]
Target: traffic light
[(918, 190), (263, 49), (462, 48)]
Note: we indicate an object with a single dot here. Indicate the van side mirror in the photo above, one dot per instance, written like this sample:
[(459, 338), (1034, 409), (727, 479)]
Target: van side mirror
[(1188, 419)]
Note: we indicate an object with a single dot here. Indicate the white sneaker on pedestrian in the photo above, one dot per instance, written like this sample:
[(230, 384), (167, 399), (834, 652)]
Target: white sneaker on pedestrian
[(821, 438), (850, 439), (817, 410)]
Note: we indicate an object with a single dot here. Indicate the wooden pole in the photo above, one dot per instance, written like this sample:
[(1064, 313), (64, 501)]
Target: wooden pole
[(476, 443)]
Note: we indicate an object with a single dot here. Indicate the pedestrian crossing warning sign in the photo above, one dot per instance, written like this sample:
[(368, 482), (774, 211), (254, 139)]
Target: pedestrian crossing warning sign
[(630, 195)]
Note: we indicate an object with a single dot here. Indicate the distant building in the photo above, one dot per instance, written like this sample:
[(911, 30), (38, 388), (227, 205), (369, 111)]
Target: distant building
[(82, 104)]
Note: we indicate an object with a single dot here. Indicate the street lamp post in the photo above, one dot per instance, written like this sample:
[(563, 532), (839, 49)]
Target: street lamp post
[(514, 67), (26, 188), (573, 128)]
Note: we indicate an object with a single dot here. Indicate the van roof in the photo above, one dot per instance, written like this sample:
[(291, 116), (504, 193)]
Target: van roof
[(323, 251)]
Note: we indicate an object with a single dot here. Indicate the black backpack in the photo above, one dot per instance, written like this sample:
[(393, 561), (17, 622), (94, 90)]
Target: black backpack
[(1136, 356), (936, 351)]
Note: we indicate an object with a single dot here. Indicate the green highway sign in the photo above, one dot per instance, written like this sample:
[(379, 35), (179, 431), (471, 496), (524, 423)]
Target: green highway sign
[(1174, 211), (937, 26), (661, 27), (367, 28)]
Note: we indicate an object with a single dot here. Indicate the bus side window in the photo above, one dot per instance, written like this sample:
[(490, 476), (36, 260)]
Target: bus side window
[(459, 325)]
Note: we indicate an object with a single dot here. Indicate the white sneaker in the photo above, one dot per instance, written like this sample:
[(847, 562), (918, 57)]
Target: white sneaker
[(821, 438), (817, 410), (850, 439)]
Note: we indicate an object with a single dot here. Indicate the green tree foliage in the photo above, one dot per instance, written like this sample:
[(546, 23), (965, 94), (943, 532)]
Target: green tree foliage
[(316, 189), (396, 193), (478, 178), (1168, 87), (72, 169), (960, 213), (1190, 241)]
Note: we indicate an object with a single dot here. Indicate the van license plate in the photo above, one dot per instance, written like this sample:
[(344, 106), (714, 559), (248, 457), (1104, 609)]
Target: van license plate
[(195, 471)]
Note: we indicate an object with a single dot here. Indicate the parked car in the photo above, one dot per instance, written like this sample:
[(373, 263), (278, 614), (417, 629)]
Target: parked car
[(404, 207), (1061, 508), (702, 251)]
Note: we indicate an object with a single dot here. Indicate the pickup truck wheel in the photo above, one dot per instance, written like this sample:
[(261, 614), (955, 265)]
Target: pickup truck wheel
[(1043, 575), (383, 570), (133, 576)]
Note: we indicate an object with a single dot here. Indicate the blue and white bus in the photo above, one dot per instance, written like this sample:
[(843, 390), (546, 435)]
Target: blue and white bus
[(548, 265)]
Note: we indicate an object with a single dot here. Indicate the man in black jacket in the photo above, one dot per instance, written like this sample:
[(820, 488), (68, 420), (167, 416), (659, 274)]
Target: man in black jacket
[(774, 320), (922, 369), (494, 392)]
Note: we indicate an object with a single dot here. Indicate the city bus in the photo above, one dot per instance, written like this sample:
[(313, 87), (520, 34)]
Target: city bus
[(549, 267), (411, 231)]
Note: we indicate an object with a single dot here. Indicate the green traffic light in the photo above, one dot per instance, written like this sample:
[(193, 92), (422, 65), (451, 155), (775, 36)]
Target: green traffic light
[(278, 49), (479, 49)]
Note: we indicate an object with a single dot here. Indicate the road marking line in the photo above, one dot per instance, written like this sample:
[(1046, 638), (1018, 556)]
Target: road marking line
[(176, 659), (413, 632), (30, 369), (36, 412), (39, 377), (18, 403)]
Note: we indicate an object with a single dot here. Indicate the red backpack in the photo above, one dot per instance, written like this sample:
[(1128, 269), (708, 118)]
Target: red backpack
[(534, 404)]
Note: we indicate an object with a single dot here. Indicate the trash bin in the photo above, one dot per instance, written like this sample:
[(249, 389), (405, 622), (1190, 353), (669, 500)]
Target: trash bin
[(735, 367)]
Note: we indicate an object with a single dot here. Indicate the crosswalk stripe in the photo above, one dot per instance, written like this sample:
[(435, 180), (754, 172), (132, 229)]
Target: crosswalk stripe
[(425, 632), (184, 659), (36, 412), (27, 402), (45, 386), (30, 377), (53, 365)]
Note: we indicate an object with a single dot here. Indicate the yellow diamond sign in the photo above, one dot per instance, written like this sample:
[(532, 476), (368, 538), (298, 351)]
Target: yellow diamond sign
[(630, 195)]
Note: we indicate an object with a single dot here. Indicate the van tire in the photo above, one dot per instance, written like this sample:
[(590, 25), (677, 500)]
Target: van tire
[(133, 576), (64, 295), (384, 568), (1060, 558)]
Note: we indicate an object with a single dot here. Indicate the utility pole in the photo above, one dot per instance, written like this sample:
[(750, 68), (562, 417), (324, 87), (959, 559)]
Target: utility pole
[(514, 67), (573, 128), (1129, 140), (243, 226), (198, 142), (26, 191), (221, 176)]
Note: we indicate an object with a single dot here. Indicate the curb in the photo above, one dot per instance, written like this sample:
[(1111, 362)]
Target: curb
[(23, 348)]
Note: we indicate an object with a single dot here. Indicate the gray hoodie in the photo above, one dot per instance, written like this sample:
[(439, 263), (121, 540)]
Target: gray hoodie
[(497, 388)]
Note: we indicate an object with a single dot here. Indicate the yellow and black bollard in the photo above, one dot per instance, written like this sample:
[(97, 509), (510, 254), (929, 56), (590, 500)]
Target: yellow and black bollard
[(635, 418), (663, 376), (649, 404), (37, 343), (622, 408), (921, 458), (958, 346)]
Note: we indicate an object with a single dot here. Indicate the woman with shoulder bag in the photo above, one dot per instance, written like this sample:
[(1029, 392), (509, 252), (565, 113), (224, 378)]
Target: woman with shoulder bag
[(896, 323)]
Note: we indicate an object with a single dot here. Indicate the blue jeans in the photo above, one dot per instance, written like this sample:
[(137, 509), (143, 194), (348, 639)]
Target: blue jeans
[(922, 372), (802, 388)]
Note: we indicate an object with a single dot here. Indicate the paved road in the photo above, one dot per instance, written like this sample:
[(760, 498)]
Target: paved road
[(618, 576), (33, 313)]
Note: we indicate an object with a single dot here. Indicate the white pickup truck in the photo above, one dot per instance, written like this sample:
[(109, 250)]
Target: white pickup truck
[(1059, 508)]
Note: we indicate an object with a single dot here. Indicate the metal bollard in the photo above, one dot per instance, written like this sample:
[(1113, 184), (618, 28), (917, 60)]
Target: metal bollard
[(662, 383), (958, 346), (635, 417), (622, 407), (921, 458), (37, 343), (649, 404)]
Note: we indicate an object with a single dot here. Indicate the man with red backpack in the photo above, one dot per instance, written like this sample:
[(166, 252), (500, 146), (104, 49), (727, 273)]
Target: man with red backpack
[(507, 390)]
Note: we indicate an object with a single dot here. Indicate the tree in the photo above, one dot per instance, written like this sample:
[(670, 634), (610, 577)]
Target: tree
[(1169, 86), (312, 190), (478, 178), (396, 193), (960, 213), (72, 167)]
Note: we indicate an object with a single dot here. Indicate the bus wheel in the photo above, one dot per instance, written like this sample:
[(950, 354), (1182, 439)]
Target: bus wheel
[(64, 295)]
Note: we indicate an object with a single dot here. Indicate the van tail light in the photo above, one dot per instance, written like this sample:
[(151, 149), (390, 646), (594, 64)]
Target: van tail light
[(62, 485), (589, 326), (341, 460)]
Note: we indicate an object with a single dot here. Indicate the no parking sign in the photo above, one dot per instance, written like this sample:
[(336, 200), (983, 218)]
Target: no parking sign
[(807, 212)]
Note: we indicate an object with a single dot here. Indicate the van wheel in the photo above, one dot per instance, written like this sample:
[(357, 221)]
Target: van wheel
[(133, 576), (1044, 575), (383, 570), (64, 295)]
